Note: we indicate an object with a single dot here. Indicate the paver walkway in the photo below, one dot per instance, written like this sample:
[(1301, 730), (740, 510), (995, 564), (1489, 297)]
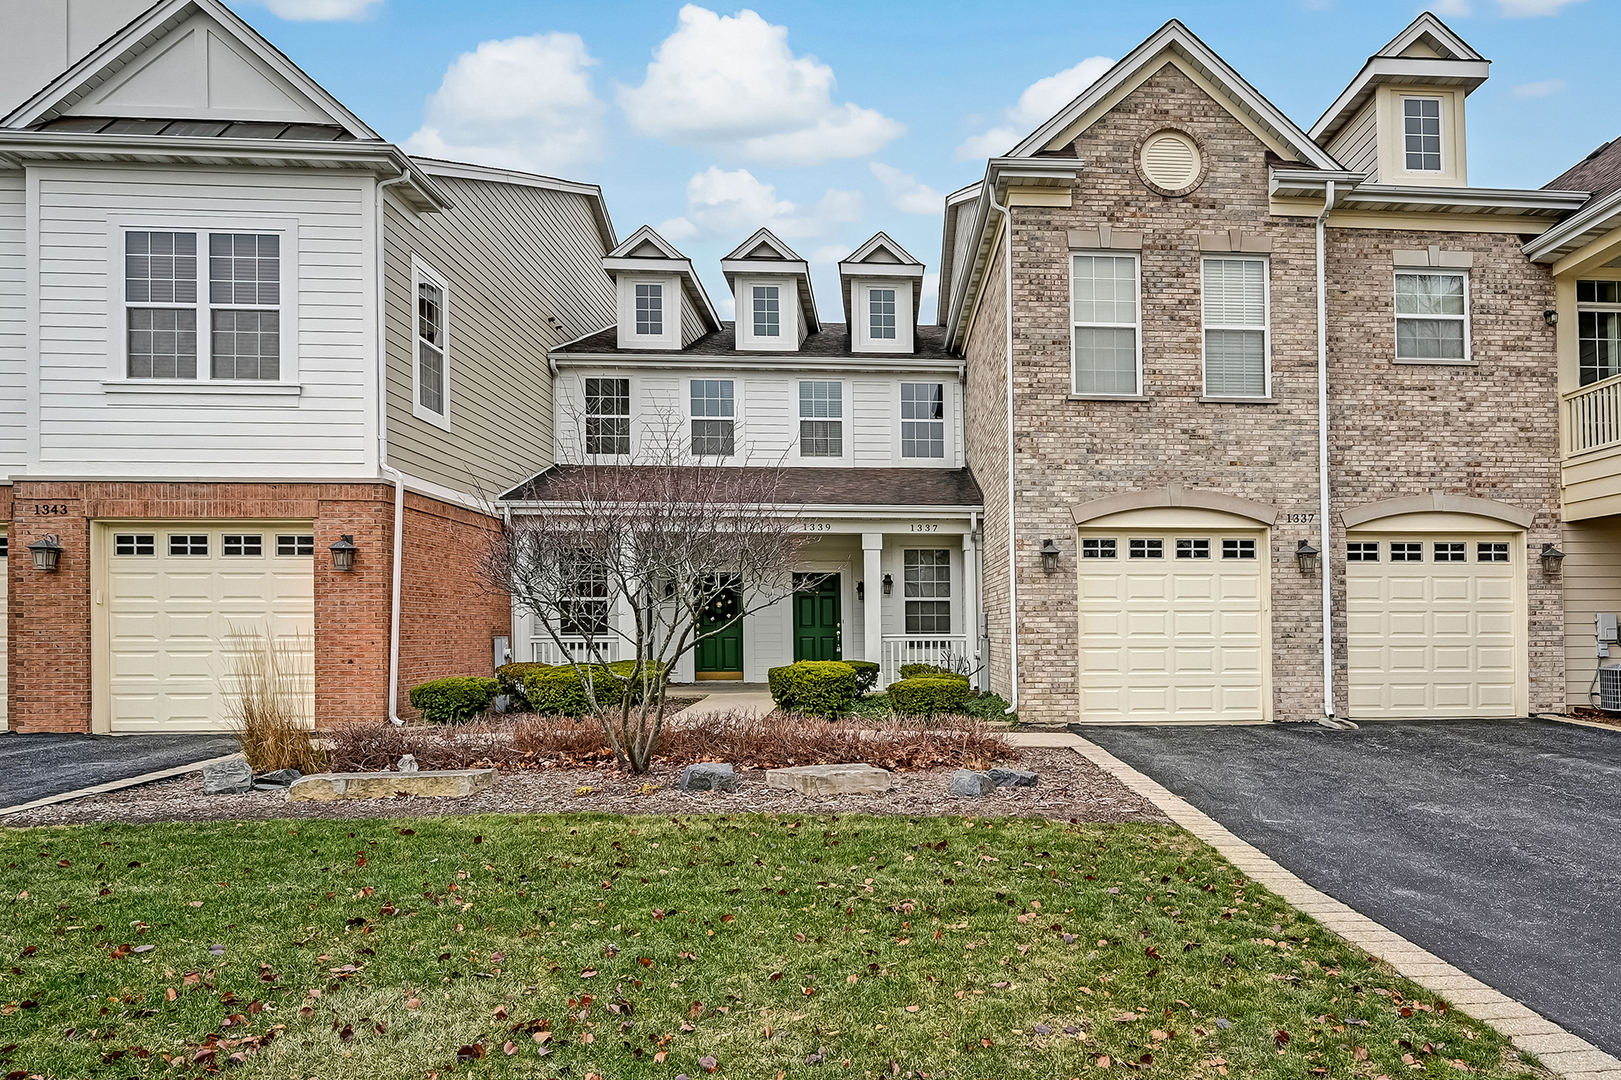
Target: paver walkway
[(1495, 845)]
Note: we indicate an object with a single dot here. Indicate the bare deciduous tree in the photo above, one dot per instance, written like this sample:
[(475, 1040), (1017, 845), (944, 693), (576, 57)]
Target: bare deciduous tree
[(625, 560)]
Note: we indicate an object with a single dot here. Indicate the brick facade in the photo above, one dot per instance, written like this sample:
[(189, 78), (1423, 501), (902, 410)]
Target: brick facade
[(1488, 430), (446, 620)]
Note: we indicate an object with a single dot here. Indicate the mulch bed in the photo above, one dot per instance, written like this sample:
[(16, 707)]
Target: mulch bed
[(1071, 788)]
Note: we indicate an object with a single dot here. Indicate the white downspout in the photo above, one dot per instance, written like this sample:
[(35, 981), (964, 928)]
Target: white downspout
[(1322, 456), (387, 472), (1012, 534)]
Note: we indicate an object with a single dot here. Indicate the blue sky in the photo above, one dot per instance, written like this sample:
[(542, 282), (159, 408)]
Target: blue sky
[(831, 120)]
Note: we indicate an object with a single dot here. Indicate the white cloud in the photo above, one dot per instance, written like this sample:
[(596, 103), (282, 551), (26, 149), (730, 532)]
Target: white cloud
[(1540, 89), (732, 83), (731, 205), (905, 193), (321, 10), (1452, 9), (522, 103), (1530, 9), (1040, 100)]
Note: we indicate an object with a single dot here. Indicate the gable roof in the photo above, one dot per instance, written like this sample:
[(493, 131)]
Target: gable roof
[(1598, 172), (880, 256), (764, 244), (142, 71), (765, 253), (645, 251), (1174, 40), (1427, 52)]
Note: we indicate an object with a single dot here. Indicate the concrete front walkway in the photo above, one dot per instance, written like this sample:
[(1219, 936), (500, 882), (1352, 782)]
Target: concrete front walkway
[(1494, 845), (724, 697)]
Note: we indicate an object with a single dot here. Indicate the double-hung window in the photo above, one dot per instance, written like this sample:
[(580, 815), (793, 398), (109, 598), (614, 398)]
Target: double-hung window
[(1105, 324), (1421, 133), (767, 311), (928, 592), (821, 423), (607, 416), (167, 315), (1432, 316), (1598, 330), (432, 366), (923, 420), (881, 314), (584, 607), (713, 411), (1235, 328), (649, 309)]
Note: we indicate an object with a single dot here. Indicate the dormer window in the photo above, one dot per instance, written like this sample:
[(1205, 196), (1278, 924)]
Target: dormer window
[(1421, 130), (881, 313), (767, 311), (650, 309)]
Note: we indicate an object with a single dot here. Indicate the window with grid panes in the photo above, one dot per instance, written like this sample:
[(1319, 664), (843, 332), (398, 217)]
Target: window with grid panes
[(881, 314), (1432, 316), (767, 311), (585, 608), (1451, 552), (1490, 552), (1421, 131), (1362, 551), (160, 293), (134, 544), (1104, 323), (1148, 549), (242, 544), (607, 416), (1598, 330), (245, 341), (1193, 549), (1406, 552), (923, 420), (928, 592), (1093, 547), (293, 545), (650, 309), (1235, 327), (712, 418), (821, 424), (188, 543), (164, 307), (1238, 549), (431, 346)]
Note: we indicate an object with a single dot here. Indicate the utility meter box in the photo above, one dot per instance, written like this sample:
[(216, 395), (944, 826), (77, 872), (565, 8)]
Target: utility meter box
[(1606, 627)]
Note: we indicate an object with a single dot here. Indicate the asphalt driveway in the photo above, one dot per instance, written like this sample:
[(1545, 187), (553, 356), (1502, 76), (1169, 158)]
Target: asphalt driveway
[(1496, 845), (35, 766)]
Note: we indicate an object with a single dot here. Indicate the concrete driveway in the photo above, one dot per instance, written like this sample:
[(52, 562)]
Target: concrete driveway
[(36, 766), (1495, 845)]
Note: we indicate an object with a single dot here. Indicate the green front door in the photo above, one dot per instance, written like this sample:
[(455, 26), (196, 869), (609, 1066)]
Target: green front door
[(720, 654), (816, 617)]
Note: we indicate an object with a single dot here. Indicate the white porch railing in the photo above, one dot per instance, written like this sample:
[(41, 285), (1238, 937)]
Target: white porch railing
[(545, 651), (944, 649), (1593, 415)]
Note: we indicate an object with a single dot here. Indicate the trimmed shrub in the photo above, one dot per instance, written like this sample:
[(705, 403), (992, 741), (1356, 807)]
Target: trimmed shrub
[(560, 691), (929, 671), (866, 675), (928, 695), (821, 687), (454, 700), (512, 677), (989, 707)]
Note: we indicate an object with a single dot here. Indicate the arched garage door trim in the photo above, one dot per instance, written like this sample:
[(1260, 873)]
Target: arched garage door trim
[(1174, 495), (1507, 513)]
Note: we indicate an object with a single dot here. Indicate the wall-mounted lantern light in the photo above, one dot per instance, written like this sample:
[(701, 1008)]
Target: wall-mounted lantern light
[(1308, 557), (343, 554), (889, 584), (1049, 556), (1551, 317), (1552, 558), (47, 552), (861, 590)]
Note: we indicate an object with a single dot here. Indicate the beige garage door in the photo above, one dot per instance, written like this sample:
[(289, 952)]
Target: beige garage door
[(1173, 626), (182, 601), (1434, 625), (5, 585)]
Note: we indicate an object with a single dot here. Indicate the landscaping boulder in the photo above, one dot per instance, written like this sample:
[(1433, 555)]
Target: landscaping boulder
[(968, 784), (830, 779), (280, 778), (438, 783), (230, 777), (1013, 778), (709, 776)]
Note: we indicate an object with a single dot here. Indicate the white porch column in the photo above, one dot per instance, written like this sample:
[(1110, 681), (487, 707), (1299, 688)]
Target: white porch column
[(872, 605)]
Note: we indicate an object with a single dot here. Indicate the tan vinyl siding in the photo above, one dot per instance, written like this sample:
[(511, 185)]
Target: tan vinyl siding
[(512, 257), (1357, 145), (1592, 573)]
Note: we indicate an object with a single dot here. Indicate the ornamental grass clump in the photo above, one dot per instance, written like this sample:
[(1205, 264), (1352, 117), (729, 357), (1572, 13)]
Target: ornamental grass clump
[(269, 693)]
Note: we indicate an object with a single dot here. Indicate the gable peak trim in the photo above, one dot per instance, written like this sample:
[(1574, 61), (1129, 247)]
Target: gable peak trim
[(764, 238)]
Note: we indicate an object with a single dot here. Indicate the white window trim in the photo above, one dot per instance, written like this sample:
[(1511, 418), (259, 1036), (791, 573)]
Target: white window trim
[(788, 330), (846, 388), (670, 306), (634, 418), (1265, 327), (1467, 317), (1594, 307), (1069, 304), (955, 570), (117, 377), (736, 417), (421, 272), (948, 427), (1441, 124), (861, 312)]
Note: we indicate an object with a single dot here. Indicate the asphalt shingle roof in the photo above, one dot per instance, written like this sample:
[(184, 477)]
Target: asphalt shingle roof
[(834, 340), (817, 486)]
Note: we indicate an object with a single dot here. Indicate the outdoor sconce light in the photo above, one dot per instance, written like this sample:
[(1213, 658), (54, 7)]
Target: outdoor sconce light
[(1552, 559), (861, 590), (1551, 318), (1308, 557), (1049, 556), (343, 554), (47, 552), (889, 584)]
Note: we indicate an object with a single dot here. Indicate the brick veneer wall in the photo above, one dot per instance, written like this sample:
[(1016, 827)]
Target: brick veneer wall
[(49, 657), (985, 439), (1487, 430)]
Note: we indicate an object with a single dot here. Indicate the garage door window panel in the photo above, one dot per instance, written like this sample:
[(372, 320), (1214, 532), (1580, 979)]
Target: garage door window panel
[(1491, 552), (1105, 325), (1404, 551), (134, 544), (1451, 551), (1193, 549), (1432, 320), (293, 545), (1362, 551), (188, 544), (242, 544), (1148, 549)]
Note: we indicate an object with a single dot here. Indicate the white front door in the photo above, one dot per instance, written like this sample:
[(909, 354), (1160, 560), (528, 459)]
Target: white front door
[(180, 602), (1433, 625), (1173, 625)]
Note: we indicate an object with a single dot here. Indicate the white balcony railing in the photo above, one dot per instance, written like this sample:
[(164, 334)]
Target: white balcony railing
[(944, 649), (1593, 416), (545, 651)]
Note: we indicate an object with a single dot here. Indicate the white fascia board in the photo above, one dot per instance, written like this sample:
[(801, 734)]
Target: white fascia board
[(1309, 183), (871, 511), (759, 362), (1508, 201), (647, 266), (1587, 224), (865, 270), (778, 268), (1424, 71)]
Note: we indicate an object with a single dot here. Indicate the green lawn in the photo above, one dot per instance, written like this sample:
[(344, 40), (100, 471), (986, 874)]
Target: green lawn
[(576, 945)]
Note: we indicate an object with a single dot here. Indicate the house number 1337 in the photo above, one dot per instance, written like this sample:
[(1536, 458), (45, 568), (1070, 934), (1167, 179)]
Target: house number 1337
[(1299, 519)]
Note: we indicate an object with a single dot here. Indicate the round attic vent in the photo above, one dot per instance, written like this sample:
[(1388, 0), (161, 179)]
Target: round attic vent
[(1170, 161)]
